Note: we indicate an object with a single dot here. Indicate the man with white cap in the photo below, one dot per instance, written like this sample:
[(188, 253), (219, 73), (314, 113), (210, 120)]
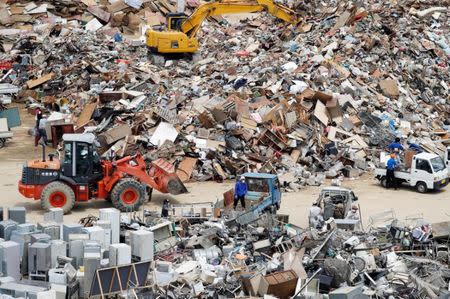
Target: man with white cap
[(240, 190)]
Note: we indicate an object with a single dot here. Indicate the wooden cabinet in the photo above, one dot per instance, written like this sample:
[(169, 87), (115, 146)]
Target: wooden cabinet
[(280, 284)]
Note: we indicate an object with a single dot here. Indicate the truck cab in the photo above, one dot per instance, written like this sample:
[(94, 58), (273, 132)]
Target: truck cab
[(429, 169), (263, 195), (263, 188)]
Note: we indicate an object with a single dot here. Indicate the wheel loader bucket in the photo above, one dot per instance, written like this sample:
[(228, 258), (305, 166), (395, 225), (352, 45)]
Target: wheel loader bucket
[(166, 178)]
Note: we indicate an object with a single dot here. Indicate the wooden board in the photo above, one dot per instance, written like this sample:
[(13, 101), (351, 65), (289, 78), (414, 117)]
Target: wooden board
[(185, 168), (248, 123), (320, 112), (33, 83), (228, 198), (114, 134), (295, 154), (99, 13), (117, 6), (86, 114)]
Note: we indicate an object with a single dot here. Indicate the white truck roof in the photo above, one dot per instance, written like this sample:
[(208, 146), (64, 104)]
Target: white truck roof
[(334, 188), (426, 156), (86, 137)]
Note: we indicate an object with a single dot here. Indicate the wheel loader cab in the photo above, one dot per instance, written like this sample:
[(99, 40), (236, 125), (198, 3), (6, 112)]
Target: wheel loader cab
[(80, 161)]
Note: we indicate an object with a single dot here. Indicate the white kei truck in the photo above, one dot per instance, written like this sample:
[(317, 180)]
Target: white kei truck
[(427, 172)]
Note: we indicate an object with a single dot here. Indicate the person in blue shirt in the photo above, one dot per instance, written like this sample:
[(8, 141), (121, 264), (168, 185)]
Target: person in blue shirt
[(390, 168), (415, 147), (396, 146), (240, 190)]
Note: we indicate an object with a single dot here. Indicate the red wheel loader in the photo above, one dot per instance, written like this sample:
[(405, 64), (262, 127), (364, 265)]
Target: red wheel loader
[(81, 175)]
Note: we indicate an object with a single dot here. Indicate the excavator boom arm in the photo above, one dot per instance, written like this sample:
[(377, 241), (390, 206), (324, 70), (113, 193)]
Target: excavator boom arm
[(192, 24)]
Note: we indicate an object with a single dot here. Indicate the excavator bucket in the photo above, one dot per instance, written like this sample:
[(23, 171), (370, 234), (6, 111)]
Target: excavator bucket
[(165, 177)]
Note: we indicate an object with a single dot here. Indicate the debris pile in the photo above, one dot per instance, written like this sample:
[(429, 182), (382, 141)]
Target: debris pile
[(315, 101), (203, 251)]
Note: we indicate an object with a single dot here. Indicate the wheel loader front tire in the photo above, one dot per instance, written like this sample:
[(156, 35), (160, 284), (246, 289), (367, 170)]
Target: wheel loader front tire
[(57, 195), (128, 195)]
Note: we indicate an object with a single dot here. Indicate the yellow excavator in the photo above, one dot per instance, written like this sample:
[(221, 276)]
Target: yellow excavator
[(180, 34)]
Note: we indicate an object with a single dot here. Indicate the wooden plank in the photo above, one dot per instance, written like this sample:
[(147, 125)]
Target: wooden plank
[(86, 114), (185, 168), (16, 10), (219, 170), (99, 13), (167, 5), (295, 154), (114, 134), (33, 83), (248, 123), (228, 198), (89, 2), (117, 6), (21, 18), (320, 112)]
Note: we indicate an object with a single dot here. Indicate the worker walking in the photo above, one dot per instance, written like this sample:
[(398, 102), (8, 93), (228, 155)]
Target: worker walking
[(38, 117), (390, 168), (40, 132), (240, 190)]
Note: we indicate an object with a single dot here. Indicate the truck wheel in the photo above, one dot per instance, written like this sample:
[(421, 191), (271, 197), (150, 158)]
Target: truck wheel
[(2, 142), (58, 195), (383, 182), (128, 195), (421, 187)]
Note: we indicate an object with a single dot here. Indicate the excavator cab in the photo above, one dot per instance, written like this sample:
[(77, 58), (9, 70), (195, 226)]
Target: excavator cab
[(175, 20), (81, 161)]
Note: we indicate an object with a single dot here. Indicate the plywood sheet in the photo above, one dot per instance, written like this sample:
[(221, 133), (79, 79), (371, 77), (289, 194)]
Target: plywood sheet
[(33, 83), (185, 168), (86, 114)]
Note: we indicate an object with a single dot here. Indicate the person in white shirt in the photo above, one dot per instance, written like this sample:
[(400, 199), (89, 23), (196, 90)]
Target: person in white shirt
[(40, 132), (353, 214), (315, 216)]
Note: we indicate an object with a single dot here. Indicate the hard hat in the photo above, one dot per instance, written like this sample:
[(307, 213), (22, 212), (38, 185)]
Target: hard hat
[(242, 178)]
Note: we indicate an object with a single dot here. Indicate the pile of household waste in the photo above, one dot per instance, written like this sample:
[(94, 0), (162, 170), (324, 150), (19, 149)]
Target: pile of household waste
[(318, 100), (202, 251)]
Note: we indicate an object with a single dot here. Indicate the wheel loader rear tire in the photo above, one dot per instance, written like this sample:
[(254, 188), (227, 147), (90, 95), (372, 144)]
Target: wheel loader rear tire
[(57, 195), (128, 195)]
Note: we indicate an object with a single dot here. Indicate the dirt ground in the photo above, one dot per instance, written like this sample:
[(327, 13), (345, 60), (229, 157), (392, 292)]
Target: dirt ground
[(373, 199)]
